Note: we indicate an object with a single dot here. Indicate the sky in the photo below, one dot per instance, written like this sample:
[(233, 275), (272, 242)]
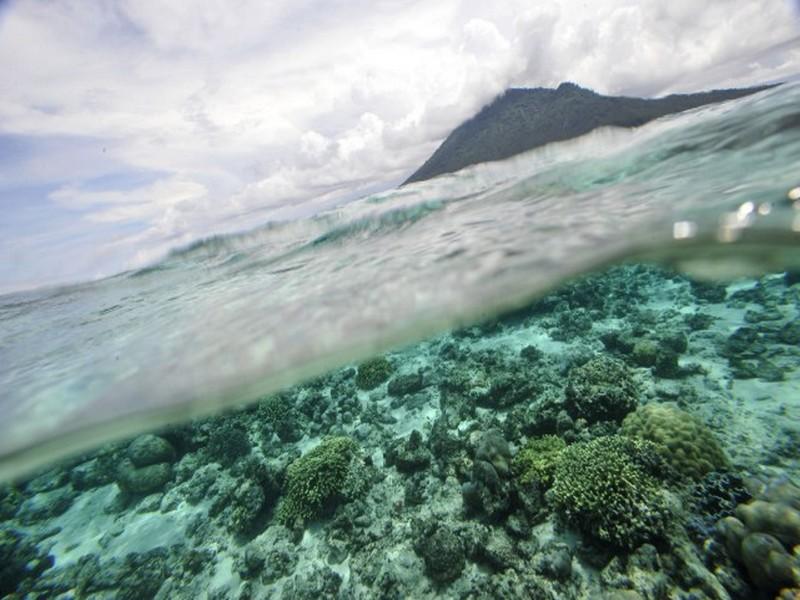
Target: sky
[(131, 127)]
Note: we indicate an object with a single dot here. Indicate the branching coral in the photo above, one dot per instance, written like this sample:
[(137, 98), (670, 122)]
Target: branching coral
[(318, 478), (606, 488)]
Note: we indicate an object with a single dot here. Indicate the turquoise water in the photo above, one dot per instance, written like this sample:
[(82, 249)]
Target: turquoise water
[(228, 321)]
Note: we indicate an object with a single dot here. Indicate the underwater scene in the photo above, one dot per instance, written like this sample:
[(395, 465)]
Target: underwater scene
[(572, 374)]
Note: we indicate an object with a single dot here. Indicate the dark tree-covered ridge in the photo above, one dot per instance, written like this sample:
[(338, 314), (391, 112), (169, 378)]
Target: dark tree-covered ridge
[(523, 119)]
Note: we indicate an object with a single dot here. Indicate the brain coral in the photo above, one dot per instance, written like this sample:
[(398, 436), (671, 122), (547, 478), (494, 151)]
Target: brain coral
[(603, 389), (684, 442)]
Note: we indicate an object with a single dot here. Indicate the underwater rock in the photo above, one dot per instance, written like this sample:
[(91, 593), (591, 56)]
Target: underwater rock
[(142, 480), (146, 468), (507, 388), (46, 505), (139, 575), (493, 448), (228, 441), (707, 291), (699, 321), (744, 342), (618, 341), (645, 353), (443, 553), (554, 562), (415, 490), (711, 499), (150, 449), (607, 489), (277, 415), (486, 493), (245, 506), (660, 353), (314, 583), (532, 354), (447, 450), (278, 550), (408, 455), (748, 350), (645, 573), (250, 562), (495, 380), (20, 561), (789, 334), (10, 500), (570, 324), (142, 574), (400, 385), (488, 489), (686, 444), (48, 481), (510, 585), (93, 473), (603, 389), (542, 416)]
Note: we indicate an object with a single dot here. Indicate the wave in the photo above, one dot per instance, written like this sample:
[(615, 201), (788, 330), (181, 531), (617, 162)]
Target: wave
[(230, 318)]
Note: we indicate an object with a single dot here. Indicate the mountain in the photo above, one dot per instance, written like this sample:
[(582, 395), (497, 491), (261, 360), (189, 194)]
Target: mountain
[(523, 119)]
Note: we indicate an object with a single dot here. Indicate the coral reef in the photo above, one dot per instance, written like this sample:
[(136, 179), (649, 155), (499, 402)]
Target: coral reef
[(506, 459), (764, 538), (607, 489), (683, 440), (537, 461), (603, 389), (147, 466), (373, 372), (318, 478)]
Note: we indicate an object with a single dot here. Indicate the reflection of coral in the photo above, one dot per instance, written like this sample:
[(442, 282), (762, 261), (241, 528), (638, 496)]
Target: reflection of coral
[(684, 442), (606, 488), (764, 537), (603, 389)]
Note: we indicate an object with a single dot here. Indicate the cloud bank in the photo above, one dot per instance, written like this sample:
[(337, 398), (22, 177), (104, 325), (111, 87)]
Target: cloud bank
[(129, 127)]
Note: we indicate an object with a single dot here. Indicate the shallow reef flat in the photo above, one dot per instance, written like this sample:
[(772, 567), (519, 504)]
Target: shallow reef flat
[(633, 435)]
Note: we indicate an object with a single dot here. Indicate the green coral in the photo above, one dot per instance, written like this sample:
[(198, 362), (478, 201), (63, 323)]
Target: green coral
[(279, 414), (603, 389), (607, 489), (537, 461), (373, 372), (318, 478), (685, 443)]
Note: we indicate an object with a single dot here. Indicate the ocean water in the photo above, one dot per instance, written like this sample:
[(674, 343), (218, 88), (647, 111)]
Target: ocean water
[(493, 297)]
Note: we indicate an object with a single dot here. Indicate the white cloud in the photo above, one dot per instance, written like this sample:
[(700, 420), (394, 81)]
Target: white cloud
[(244, 110), (152, 203)]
